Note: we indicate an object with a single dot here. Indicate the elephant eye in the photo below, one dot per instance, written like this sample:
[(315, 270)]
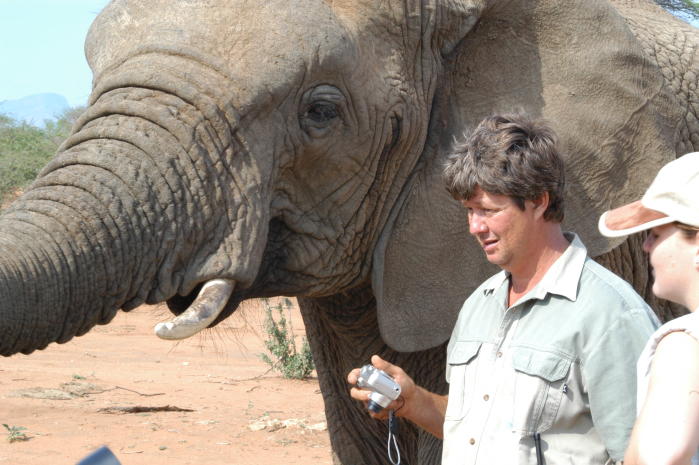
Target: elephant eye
[(322, 112)]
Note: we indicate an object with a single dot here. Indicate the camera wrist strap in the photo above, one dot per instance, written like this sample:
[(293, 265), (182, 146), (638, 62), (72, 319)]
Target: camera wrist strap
[(392, 444)]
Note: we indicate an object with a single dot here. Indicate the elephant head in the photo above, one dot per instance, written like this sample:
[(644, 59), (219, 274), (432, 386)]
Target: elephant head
[(237, 148), (281, 148)]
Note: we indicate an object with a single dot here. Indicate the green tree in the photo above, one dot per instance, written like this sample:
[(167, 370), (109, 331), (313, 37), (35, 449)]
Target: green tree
[(25, 149)]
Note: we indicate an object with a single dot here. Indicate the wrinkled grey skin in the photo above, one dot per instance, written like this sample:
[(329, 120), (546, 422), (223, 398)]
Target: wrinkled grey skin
[(295, 147)]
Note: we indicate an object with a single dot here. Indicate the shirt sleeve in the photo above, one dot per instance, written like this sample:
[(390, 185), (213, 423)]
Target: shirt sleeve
[(609, 374)]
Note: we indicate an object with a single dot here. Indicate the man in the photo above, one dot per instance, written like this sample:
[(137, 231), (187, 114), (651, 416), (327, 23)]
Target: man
[(542, 359)]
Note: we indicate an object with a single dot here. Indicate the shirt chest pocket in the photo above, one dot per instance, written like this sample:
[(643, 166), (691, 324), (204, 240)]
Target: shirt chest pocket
[(462, 377), (539, 387)]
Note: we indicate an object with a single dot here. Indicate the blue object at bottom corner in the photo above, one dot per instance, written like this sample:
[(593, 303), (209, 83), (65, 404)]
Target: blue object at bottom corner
[(102, 456)]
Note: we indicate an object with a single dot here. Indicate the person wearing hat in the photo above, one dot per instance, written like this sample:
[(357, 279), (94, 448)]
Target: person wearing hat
[(667, 428)]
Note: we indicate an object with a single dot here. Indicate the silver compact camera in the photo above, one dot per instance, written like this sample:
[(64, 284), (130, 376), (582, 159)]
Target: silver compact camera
[(384, 388)]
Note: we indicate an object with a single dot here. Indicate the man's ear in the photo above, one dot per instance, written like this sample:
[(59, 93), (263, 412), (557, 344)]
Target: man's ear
[(541, 204)]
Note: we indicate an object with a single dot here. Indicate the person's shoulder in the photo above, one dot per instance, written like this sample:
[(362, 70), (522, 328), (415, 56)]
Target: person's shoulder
[(687, 325), (688, 321), (676, 345), (610, 298), (691, 322), (603, 283)]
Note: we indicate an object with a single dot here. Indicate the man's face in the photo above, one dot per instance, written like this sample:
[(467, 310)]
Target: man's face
[(502, 229)]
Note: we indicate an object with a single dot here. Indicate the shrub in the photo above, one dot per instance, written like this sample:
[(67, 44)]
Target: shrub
[(15, 433), (281, 345), (25, 149)]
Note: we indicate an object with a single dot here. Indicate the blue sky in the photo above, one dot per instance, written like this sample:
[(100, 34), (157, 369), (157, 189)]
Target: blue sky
[(42, 48)]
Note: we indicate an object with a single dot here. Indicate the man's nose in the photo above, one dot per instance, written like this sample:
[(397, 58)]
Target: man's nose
[(476, 225)]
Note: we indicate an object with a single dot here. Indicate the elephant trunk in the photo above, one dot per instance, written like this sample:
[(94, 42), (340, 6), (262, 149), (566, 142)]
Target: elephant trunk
[(147, 200), (65, 265)]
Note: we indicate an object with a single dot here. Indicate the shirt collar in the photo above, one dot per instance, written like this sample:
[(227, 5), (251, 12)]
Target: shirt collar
[(561, 278)]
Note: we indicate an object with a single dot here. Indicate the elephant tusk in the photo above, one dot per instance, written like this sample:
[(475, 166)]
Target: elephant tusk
[(203, 311)]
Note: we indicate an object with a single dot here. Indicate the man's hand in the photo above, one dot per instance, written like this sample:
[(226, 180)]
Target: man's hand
[(425, 409), (406, 383)]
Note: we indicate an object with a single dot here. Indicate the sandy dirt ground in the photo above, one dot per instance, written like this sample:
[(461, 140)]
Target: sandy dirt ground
[(206, 400)]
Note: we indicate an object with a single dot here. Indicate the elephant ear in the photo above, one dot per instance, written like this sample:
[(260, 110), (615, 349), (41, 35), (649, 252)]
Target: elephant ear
[(424, 264), (453, 20), (575, 64)]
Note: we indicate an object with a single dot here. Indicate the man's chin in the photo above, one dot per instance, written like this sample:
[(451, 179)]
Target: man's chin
[(494, 258)]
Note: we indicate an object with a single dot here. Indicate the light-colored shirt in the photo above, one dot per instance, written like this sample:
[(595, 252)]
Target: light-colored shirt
[(688, 324), (560, 362)]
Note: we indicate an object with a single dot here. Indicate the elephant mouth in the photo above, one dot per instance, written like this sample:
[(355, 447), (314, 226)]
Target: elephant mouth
[(212, 301), (203, 311)]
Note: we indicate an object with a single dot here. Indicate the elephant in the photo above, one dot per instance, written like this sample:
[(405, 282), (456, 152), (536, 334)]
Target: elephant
[(234, 149)]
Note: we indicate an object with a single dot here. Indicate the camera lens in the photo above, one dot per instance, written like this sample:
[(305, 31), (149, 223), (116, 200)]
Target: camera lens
[(374, 406)]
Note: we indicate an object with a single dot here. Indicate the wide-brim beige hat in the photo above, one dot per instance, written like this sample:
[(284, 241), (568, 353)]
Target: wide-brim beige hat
[(673, 196)]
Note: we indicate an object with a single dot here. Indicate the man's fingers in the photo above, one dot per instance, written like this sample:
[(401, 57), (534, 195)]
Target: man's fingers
[(388, 367), (360, 394), (353, 376), (380, 363)]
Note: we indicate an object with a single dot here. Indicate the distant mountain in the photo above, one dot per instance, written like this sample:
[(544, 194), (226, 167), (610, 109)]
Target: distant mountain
[(35, 109)]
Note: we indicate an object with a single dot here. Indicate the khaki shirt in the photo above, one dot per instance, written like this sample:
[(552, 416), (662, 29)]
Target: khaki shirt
[(560, 362)]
